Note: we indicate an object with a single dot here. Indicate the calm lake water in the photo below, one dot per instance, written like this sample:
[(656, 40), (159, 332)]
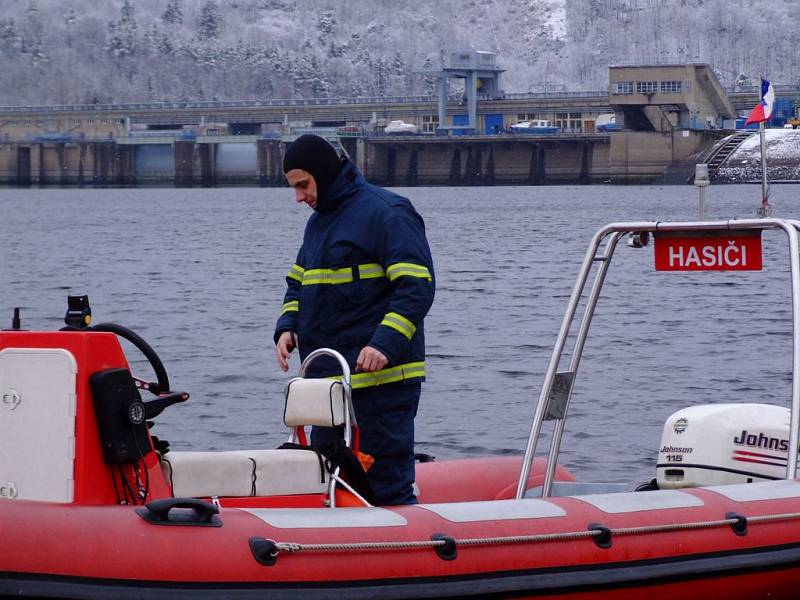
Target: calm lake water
[(199, 273)]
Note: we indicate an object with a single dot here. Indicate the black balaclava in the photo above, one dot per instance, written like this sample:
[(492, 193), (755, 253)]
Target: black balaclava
[(313, 154)]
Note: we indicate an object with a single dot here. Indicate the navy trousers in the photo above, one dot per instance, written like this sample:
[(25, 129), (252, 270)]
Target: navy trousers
[(385, 415)]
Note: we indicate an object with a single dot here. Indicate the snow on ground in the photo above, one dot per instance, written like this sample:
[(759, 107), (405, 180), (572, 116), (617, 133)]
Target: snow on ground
[(782, 144), (783, 158)]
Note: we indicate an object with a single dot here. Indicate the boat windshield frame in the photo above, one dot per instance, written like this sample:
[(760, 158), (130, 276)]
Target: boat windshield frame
[(600, 251)]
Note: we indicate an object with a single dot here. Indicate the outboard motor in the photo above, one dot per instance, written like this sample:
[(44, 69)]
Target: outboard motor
[(721, 444)]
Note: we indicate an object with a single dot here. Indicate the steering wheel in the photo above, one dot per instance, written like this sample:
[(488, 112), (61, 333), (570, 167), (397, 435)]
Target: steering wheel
[(161, 386)]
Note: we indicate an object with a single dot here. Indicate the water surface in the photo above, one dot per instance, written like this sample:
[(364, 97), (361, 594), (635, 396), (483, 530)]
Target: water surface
[(199, 273)]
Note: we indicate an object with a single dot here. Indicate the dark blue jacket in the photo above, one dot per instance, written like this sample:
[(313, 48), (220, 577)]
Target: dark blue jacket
[(363, 277)]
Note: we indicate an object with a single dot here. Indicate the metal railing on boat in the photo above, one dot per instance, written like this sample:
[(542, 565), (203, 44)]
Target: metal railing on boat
[(556, 392)]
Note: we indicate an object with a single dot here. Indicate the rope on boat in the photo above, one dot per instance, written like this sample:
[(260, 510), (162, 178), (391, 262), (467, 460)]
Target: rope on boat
[(415, 545), (598, 532), (767, 518), (293, 547), (672, 527)]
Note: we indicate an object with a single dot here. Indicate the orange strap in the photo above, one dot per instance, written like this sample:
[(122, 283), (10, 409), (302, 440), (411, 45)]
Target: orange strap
[(365, 459)]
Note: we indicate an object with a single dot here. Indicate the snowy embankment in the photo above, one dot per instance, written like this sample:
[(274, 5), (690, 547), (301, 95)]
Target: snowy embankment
[(783, 159)]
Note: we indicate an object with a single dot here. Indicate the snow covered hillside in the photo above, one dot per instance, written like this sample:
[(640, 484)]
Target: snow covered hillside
[(76, 51)]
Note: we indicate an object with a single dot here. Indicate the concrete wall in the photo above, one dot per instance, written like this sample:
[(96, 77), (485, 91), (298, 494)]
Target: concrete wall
[(9, 155), (518, 160), (63, 164), (639, 156), (459, 161)]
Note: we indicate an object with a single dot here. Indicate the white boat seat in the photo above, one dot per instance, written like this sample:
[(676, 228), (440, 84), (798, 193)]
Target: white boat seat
[(244, 473), (281, 472), (318, 402)]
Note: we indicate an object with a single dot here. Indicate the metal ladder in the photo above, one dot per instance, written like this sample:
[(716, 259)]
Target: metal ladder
[(723, 152)]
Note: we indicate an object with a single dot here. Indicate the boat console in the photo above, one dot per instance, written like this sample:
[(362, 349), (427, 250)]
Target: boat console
[(77, 430)]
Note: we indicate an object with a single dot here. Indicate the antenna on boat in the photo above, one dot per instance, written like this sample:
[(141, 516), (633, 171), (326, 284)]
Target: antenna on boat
[(702, 181), (16, 320)]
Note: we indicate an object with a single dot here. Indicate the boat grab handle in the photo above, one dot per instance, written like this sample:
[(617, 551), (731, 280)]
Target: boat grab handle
[(190, 512)]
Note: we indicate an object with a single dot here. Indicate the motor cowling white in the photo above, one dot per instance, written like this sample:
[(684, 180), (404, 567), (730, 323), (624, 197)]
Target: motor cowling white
[(722, 444)]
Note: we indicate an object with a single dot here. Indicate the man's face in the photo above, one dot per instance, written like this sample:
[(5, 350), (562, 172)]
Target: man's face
[(305, 188)]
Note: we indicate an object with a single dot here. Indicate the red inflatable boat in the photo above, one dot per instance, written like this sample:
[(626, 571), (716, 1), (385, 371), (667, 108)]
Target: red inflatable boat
[(93, 506)]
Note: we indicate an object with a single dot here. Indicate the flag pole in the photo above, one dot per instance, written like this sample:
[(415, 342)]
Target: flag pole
[(764, 210)]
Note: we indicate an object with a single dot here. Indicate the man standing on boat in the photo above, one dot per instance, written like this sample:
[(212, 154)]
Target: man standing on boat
[(362, 284)]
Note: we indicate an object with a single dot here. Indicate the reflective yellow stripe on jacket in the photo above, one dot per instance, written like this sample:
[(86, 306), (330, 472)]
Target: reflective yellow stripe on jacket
[(399, 323), (366, 271), (407, 270), (296, 273), (370, 271), (413, 370), (327, 276), (345, 275), (291, 306)]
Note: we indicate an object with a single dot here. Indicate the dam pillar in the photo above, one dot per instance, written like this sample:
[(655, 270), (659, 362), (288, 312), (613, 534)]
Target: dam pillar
[(269, 163), (413, 167), (39, 164), (184, 162), (125, 164), (532, 169), (488, 175), (262, 163), (474, 170), (103, 163), (541, 173), (208, 173), (455, 167), (391, 165), (81, 159), (275, 163), (23, 173), (586, 163), (536, 174), (61, 163)]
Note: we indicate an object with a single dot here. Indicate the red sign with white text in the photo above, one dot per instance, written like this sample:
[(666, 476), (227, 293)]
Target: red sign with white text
[(708, 251)]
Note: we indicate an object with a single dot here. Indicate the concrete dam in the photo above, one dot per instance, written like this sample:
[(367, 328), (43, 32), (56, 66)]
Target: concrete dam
[(526, 159)]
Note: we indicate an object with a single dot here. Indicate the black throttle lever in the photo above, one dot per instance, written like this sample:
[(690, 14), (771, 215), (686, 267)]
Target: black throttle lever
[(150, 386), (153, 408)]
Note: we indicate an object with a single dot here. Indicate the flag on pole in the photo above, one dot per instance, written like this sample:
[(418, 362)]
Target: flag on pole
[(763, 110)]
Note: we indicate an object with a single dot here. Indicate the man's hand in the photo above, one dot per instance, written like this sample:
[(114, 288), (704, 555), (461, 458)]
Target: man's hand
[(286, 343), (370, 359)]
